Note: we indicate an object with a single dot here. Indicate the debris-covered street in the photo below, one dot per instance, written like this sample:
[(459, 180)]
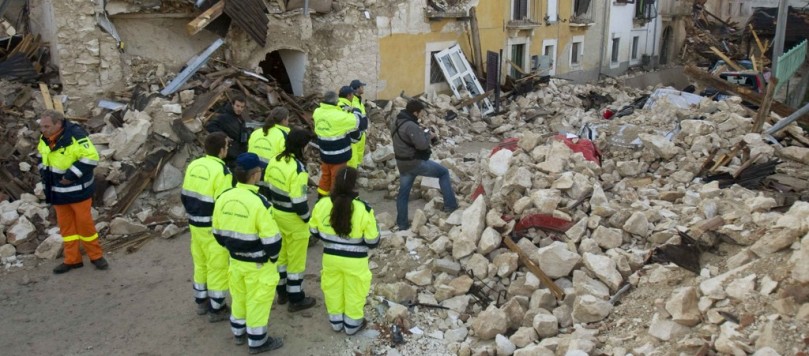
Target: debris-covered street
[(653, 210)]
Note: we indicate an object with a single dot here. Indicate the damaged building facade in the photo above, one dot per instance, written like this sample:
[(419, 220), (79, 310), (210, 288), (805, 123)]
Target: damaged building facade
[(387, 44)]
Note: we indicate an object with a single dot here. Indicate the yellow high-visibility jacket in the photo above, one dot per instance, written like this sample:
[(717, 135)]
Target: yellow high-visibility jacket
[(364, 230), (269, 145), (73, 158), (335, 130), (242, 223), (205, 179), (287, 179)]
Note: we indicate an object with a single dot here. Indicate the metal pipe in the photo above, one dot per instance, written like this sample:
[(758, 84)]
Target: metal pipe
[(781, 124), (306, 8), (605, 30), (780, 35)]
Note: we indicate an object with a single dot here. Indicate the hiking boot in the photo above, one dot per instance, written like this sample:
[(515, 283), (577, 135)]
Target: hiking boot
[(305, 303), (202, 308), (239, 340), (64, 267), (282, 298), (215, 316), (272, 343), (101, 263)]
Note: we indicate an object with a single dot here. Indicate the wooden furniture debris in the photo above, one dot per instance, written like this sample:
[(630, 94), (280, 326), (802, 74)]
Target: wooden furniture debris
[(46, 96), (547, 281), (472, 101), (727, 60), (746, 94), (764, 110), (205, 18)]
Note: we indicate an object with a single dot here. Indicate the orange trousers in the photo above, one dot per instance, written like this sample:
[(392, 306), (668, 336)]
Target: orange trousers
[(327, 173), (77, 227)]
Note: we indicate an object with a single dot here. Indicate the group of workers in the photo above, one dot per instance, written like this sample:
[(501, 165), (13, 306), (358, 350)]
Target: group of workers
[(248, 213)]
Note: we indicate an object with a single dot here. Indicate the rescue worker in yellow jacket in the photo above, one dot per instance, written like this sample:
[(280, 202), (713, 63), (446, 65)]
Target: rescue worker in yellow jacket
[(67, 159), (346, 102), (358, 148), (205, 179), (287, 180), (335, 130), (348, 229), (243, 224), (269, 140)]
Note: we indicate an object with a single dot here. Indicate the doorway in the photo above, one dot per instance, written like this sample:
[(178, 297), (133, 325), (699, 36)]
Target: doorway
[(287, 67), (665, 45)]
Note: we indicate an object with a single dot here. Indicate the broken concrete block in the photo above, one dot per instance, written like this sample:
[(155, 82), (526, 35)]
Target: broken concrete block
[(740, 288), (583, 285), (489, 323), (605, 269), (420, 278), (546, 325), (546, 200), (124, 226), (447, 266), (499, 162), (599, 205), (506, 263), (396, 292), (607, 238), (382, 153), (7, 250), (514, 313), (517, 177), (524, 336), (489, 241), (478, 264), (169, 178), (22, 235), (795, 153), (637, 224), (456, 335), (589, 309), (555, 259), (683, 306), (131, 136), (50, 249), (666, 330)]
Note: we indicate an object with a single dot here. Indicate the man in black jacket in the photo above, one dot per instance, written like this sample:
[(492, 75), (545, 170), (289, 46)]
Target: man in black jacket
[(411, 145), (229, 120)]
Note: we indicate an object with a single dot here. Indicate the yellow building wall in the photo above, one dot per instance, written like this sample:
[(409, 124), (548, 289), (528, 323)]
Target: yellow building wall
[(402, 56)]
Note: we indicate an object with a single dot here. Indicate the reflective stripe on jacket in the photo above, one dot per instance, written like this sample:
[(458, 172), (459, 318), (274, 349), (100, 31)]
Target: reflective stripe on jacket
[(205, 179), (351, 106), (73, 158), (287, 180), (335, 130), (364, 231), (242, 223), (357, 103), (269, 145)]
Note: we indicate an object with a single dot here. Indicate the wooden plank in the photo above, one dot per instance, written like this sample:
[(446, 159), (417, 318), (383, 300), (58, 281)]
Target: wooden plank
[(474, 100), (760, 45), (204, 102), (547, 281), (745, 93), (205, 18), (727, 59), (518, 68), (156, 15), (473, 24), (764, 110), (46, 96), (57, 104)]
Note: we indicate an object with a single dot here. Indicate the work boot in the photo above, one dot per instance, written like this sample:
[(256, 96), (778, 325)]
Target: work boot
[(215, 316), (64, 267), (272, 343), (202, 308), (239, 340), (101, 263), (305, 303), (360, 328), (282, 298)]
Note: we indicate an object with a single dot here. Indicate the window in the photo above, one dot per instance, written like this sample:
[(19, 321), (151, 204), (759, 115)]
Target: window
[(518, 59), (552, 10), (581, 7), (644, 9), (574, 53), (436, 76), (635, 41), (616, 46), (519, 10)]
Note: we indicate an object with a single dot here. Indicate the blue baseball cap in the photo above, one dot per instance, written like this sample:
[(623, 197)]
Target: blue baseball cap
[(248, 161), (345, 91), (356, 84)]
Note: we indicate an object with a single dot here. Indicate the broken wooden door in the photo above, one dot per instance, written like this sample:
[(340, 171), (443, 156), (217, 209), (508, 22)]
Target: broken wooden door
[(460, 76)]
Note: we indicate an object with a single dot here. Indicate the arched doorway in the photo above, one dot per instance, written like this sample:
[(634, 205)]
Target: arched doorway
[(287, 67), (665, 46)]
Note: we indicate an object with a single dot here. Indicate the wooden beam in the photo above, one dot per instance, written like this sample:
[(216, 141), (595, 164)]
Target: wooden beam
[(547, 281), (764, 110), (727, 59), (760, 45), (745, 93), (518, 68), (57, 104), (156, 15), (474, 100), (473, 24), (205, 18), (46, 96)]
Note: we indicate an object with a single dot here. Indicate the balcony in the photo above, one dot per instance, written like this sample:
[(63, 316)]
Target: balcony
[(582, 13), (524, 24)]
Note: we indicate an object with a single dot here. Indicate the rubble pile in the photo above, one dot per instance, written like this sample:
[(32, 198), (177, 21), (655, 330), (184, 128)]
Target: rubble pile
[(462, 285)]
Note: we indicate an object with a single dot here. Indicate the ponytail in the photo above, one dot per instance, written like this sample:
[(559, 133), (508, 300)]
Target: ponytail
[(277, 116), (342, 197)]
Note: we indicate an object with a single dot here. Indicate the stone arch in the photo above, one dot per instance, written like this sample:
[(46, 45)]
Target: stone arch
[(287, 67)]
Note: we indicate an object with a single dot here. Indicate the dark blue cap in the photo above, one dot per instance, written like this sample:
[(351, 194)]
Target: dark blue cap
[(345, 91), (356, 84), (247, 161)]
